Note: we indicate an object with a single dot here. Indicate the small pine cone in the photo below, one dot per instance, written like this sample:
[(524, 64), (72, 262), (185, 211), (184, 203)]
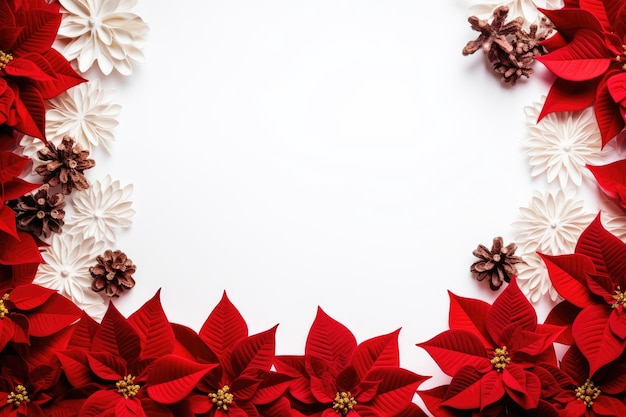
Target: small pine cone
[(497, 264), (113, 273), (40, 213), (65, 165)]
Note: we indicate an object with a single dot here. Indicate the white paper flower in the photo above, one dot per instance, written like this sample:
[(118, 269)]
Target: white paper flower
[(66, 270), (102, 31), (551, 223), (613, 216), (533, 278), (102, 209), (86, 112), (561, 144), (527, 9)]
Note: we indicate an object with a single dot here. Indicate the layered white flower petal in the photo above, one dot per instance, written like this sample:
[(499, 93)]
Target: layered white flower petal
[(105, 32), (517, 8), (551, 223), (561, 144), (533, 278), (101, 210)]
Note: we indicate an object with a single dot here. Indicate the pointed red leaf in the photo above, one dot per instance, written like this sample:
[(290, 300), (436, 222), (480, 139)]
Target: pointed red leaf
[(39, 31), (25, 67), (130, 407), (396, 389), (510, 307), (66, 76), (594, 337), (7, 221), (153, 328), (375, 352), (584, 58), (116, 336), (84, 332), (42, 350), (607, 112), (466, 389), (224, 327), (563, 315), (58, 312), (569, 20), (17, 188), (612, 179), (294, 367), (606, 250), (523, 387), (30, 296), (272, 387), (254, 353), (597, 8), (454, 349), (76, 367), (330, 341), (189, 345), (575, 365), (433, 399), (99, 402), (568, 274), (171, 378), (31, 111), (107, 366), (469, 314)]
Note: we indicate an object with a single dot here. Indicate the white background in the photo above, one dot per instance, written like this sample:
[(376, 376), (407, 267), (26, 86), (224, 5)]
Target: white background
[(332, 153)]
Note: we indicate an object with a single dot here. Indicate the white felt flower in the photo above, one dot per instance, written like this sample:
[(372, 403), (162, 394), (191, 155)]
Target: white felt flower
[(101, 31), (527, 9), (533, 278), (551, 223), (86, 112), (102, 209), (561, 144), (66, 270)]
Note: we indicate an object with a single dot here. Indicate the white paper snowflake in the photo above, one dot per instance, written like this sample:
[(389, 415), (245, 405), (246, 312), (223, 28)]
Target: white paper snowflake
[(106, 32), (527, 9), (66, 270), (102, 209), (551, 223), (533, 278), (86, 112), (561, 144)]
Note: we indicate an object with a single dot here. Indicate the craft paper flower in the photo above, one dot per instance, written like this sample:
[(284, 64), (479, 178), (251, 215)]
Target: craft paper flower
[(551, 223), (587, 56), (517, 8), (102, 209), (66, 270), (492, 352), (561, 144), (593, 279), (533, 278), (104, 32), (30, 70), (87, 113)]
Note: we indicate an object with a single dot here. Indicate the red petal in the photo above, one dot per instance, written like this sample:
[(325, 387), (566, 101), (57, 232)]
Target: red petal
[(39, 31), (30, 110), (612, 179), (607, 251), (433, 398), (466, 389), (470, 314), (563, 315), (569, 20), (454, 349), (30, 296), (25, 67), (272, 387), (188, 344), (568, 274), (330, 341), (606, 405), (171, 378), (129, 408), (84, 332), (107, 366), (17, 188), (58, 312), (224, 327), (608, 114), (510, 307), (575, 365), (376, 352), (116, 336), (76, 367), (594, 337), (11, 166), (7, 221), (523, 387), (153, 328), (396, 389), (254, 353), (22, 251), (66, 76), (584, 58)]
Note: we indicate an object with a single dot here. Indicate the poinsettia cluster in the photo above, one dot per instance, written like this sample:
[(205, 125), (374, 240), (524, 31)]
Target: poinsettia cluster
[(502, 362)]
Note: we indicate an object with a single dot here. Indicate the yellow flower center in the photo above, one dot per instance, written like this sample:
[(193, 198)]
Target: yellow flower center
[(344, 402), (18, 396), (619, 297), (500, 358), (587, 392), (621, 57), (127, 387), (222, 398), (5, 58), (3, 309)]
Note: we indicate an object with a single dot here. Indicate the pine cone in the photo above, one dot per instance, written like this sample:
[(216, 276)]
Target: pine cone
[(65, 165), (498, 264), (113, 273), (40, 213)]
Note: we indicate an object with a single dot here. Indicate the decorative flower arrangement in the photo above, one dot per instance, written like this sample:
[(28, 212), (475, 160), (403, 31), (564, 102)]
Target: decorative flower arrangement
[(65, 350)]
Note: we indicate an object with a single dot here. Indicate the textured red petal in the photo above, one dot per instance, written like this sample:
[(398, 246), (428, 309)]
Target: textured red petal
[(594, 337), (523, 387), (7, 221), (188, 344), (569, 20), (376, 352), (107, 366), (57, 313), (272, 387), (607, 112), (606, 250), (612, 179), (254, 353), (455, 349), (116, 336), (584, 58), (39, 31), (75, 365), (84, 332), (470, 314), (30, 296), (511, 307), (153, 328), (568, 274), (396, 389), (330, 340), (224, 327), (171, 378), (65, 76), (19, 251), (466, 389), (563, 315), (30, 110), (17, 188)]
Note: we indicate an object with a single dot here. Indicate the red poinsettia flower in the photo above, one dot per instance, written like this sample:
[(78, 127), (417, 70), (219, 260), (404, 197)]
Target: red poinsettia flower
[(32, 311), (600, 395), (112, 363), (338, 377), (492, 353), (30, 70), (588, 57), (242, 385), (594, 280), (611, 179)]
